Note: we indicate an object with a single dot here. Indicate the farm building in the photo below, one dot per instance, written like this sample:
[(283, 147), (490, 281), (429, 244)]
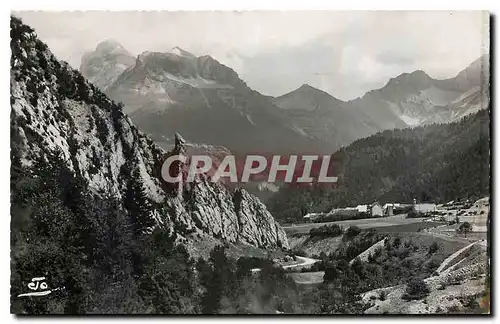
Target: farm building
[(347, 211), (389, 208), (376, 209), (482, 203), (312, 216), (362, 208)]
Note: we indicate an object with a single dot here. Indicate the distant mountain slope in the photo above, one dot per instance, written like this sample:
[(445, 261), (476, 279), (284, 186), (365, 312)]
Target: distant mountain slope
[(411, 99), (55, 111), (318, 114), (205, 101), (417, 99), (438, 162)]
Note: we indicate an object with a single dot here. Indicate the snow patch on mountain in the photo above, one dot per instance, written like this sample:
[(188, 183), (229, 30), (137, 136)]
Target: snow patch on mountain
[(410, 121), (180, 52)]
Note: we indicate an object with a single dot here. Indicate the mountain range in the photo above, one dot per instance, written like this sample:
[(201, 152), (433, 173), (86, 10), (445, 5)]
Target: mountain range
[(196, 96), (209, 103)]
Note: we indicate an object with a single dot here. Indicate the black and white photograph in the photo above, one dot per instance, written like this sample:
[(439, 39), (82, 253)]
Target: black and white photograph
[(250, 162)]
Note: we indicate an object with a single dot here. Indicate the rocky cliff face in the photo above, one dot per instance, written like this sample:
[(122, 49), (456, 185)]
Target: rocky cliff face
[(54, 109)]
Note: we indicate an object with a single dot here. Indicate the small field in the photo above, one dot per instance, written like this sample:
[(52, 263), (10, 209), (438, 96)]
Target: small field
[(201, 247), (361, 223), (307, 278), (314, 246), (407, 228)]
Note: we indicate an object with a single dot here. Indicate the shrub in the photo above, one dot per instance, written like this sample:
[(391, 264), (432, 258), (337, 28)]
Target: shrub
[(333, 230), (414, 214), (331, 273), (351, 232), (397, 242), (433, 248), (383, 295), (416, 289), (465, 228), (299, 252)]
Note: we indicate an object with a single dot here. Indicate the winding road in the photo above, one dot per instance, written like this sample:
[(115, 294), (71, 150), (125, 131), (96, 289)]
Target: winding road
[(305, 262)]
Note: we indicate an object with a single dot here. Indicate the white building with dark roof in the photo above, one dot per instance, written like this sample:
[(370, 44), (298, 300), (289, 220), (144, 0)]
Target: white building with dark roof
[(376, 210)]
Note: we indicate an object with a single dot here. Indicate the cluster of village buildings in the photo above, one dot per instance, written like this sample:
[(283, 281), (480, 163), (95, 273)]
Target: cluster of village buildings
[(377, 210)]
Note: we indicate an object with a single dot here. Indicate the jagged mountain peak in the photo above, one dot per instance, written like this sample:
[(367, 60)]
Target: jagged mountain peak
[(308, 91), (309, 88), (103, 66), (146, 55), (415, 78), (306, 86), (111, 46), (181, 52)]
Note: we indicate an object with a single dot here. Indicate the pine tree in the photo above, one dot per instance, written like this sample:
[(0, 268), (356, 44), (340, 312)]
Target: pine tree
[(138, 204), (219, 283)]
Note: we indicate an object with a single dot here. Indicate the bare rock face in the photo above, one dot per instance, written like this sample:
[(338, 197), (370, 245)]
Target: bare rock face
[(54, 109), (255, 221)]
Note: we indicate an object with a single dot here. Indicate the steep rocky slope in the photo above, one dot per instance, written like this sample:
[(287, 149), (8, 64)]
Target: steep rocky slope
[(54, 109)]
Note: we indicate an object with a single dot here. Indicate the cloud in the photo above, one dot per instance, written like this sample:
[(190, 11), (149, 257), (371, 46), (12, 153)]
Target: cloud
[(343, 53)]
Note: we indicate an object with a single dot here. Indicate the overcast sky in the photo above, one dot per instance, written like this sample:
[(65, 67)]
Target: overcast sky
[(342, 53)]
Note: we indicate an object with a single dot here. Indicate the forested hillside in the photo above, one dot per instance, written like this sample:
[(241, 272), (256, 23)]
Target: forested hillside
[(435, 163)]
